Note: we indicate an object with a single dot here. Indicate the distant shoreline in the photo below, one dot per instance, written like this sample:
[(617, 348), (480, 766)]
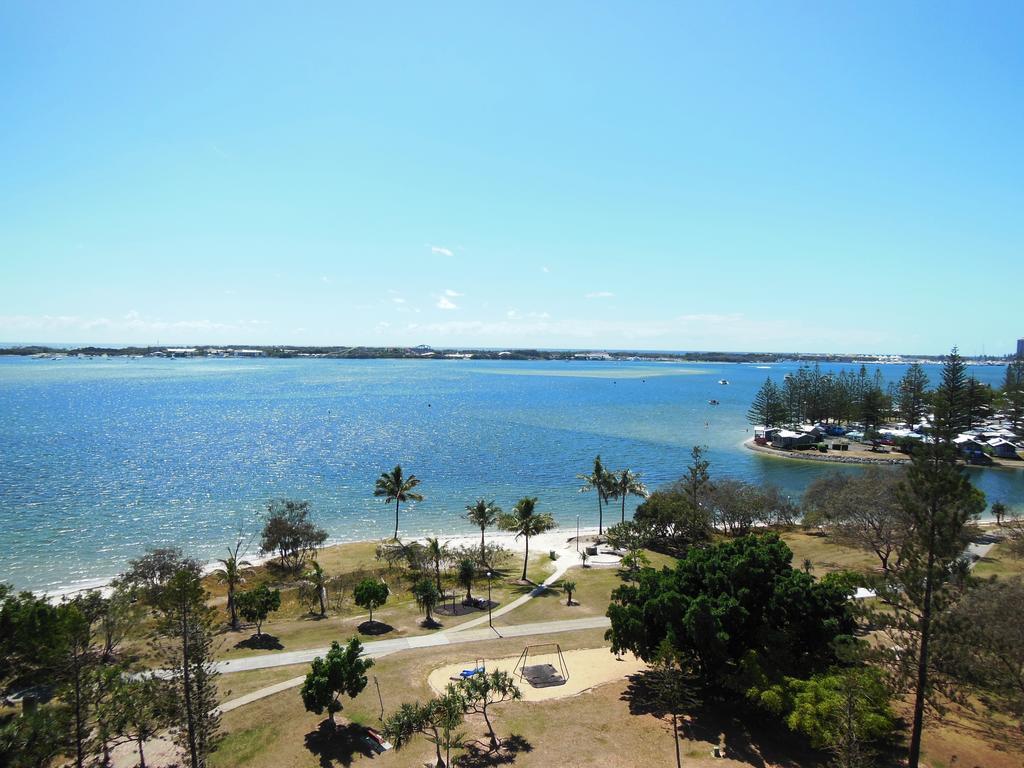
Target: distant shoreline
[(833, 458), (424, 352), (836, 458)]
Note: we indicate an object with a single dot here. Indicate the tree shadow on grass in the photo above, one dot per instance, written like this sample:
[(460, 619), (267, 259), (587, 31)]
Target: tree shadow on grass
[(742, 734), (374, 628), (262, 642), (338, 746), (480, 756)]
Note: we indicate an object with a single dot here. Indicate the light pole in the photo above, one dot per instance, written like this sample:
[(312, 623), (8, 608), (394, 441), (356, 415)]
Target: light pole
[(491, 625), (577, 534)]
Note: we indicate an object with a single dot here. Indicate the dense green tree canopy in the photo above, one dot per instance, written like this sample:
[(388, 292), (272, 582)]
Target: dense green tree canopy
[(371, 593), (341, 673), (256, 604), (738, 601), (290, 532)]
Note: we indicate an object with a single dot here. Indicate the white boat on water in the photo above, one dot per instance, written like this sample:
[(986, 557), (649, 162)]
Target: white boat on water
[(723, 381)]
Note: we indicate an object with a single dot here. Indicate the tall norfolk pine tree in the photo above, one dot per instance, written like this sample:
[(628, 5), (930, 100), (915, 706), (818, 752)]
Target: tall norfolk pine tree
[(186, 624), (939, 500), (768, 407), (910, 395), (951, 405), (1013, 392)]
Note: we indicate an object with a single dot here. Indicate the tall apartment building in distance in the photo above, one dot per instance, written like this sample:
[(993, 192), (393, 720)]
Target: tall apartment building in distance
[(1020, 347)]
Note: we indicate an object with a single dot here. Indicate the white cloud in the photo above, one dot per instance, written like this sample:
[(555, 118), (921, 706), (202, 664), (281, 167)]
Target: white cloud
[(451, 294), (545, 270), (398, 300), (515, 314), (445, 303), (130, 321), (440, 251), (325, 279), (600, 295)]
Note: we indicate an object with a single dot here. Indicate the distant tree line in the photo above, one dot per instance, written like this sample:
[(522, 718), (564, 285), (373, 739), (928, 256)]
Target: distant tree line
[(958, 401)]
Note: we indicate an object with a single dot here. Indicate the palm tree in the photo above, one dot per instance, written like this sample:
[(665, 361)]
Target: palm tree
[(525, 521), (466, 576), (625, 483), (427, 597), (394, 486), (230, 573), (483, 514), (316, 580), (436, 552), (569, 587), (597, 480)]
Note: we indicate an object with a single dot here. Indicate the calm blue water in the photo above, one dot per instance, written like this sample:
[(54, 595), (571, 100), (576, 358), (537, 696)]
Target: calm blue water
[(104, 458)]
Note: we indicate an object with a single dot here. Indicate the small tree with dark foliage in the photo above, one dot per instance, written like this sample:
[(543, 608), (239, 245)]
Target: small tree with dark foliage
[(341, 673), (290, 533)]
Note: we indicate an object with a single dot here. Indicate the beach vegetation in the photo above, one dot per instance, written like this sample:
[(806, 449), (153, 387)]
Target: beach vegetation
[(526, 521), (599, 480), (568, 586), (149, 573), (291, 533), (342, 672), (313, 588), (737, 507), (231, 573), (465, 576), (861, 511), (483, 514), (427, 597), (623, 484), (395, 486), (437, 555)]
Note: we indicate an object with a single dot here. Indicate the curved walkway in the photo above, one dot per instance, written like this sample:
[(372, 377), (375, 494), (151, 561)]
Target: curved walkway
[(379, 648)]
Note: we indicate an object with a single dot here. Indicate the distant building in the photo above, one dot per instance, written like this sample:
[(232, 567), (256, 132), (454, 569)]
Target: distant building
[(1020, 347), (788, 439), (248, 353), (1004, 449), (181, 351)]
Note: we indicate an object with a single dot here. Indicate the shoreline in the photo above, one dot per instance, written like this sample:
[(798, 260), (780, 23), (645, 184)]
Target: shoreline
[(556, 539), (823, 457), (894, 460)]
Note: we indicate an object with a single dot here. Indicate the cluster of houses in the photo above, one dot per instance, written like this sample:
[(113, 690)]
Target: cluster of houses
[(192, 352), (995, 438)]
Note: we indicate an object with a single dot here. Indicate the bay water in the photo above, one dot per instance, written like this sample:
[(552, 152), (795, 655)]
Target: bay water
[(103, 458)]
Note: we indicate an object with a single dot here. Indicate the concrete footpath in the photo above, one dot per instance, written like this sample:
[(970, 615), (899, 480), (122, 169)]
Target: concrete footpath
[(379, 648)]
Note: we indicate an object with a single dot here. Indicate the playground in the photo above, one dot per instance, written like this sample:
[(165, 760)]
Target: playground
[(546, 672)]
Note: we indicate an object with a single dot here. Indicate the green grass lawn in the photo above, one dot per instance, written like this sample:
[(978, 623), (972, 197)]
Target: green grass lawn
[(999, 562), (293, 627), (827, 556)]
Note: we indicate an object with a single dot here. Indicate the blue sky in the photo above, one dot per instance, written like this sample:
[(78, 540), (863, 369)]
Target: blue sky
[(783, 176)]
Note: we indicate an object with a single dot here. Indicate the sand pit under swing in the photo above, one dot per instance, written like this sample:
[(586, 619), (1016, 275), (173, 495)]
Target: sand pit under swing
[(587, 668)]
